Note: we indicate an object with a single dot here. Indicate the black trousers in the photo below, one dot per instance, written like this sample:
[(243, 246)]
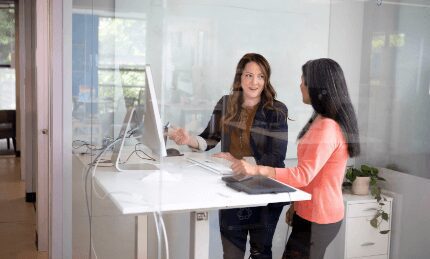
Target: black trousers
[(309, 239), (259, 222)]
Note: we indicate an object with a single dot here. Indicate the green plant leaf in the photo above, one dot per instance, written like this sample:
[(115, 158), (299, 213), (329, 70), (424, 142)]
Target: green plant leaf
[(375, 190), (350, 176), (374, 222), (384, 216), (357, 172), (380, 178), (366, 168)]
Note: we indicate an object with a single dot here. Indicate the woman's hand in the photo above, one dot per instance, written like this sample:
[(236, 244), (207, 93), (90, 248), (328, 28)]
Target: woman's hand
[(243, 167), (240, 166), (180, 136), (226, 156)]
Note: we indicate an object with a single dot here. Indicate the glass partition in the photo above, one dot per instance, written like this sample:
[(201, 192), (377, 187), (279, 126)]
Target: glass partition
[(192, 48), (383, 48)]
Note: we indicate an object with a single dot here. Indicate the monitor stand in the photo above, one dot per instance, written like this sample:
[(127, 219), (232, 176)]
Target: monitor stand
[(135, 167), (116, 154)]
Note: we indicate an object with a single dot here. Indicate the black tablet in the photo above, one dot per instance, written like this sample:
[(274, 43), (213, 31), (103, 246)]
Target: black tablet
[(256, 184)]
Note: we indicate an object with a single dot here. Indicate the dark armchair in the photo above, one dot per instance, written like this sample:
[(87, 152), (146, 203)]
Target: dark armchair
[(8, 126)]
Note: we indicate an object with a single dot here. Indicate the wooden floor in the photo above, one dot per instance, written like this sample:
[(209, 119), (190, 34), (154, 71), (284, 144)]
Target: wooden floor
[(17, 217)]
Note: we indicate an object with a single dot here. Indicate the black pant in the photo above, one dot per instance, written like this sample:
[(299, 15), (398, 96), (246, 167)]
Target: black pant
[(260, 222), (309, 239)]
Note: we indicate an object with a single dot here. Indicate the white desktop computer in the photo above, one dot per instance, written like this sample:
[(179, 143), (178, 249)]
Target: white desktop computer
[(142, 123)]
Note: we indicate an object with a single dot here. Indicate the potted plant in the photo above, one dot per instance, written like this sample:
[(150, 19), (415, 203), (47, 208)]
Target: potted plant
[(361, 179)]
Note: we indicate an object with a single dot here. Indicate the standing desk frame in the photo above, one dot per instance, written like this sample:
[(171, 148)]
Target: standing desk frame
[(179, 187)]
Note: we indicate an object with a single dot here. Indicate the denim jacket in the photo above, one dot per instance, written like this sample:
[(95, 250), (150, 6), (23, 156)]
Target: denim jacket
[(269, 133)]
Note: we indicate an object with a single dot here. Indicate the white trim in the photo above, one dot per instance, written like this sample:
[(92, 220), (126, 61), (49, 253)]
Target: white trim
[(60, 211), (42, 122)]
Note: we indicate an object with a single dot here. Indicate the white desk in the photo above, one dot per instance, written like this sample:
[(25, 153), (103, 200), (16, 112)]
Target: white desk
[(179, 187)]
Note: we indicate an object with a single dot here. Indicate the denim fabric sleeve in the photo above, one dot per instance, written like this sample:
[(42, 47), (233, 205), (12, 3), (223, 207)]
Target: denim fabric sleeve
[(276, 133), (213, 132)]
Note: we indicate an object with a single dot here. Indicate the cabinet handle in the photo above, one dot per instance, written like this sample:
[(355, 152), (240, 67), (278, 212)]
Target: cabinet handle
[(368, 244)]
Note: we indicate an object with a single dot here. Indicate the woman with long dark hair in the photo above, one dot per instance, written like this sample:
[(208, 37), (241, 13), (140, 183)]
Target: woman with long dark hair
[(325, 143), (250, 124)]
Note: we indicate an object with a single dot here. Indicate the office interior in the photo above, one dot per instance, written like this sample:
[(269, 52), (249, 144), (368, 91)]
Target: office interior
[(79, 66)]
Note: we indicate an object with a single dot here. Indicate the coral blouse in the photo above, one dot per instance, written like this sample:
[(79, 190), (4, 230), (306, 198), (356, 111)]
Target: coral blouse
[(322, 155)]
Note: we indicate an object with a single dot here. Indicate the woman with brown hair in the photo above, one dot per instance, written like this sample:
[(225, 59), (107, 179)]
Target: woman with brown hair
[(250, 124)]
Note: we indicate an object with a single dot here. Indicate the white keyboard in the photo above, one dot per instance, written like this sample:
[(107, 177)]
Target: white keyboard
[(217, 165)]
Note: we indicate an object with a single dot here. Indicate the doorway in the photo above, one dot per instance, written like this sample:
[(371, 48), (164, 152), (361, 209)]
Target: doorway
[(7, 78)]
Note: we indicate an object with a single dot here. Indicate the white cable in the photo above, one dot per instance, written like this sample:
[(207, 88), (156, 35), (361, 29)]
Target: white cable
[(94, 250), (87, 200), (97, 160), (166, 242), (158, 235)]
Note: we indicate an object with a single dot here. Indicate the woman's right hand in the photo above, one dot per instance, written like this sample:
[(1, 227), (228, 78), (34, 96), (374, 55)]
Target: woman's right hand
[(180, 136)]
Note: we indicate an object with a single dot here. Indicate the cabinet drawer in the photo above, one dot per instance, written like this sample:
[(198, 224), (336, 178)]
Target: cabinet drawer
[(366, 209), (364, 240)]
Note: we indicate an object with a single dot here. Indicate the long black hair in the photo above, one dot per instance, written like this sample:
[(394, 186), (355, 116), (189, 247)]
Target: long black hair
[(329, 97)]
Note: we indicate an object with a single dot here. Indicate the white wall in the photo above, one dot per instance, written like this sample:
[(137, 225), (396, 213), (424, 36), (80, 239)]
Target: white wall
[(345, 42), (410, 217)]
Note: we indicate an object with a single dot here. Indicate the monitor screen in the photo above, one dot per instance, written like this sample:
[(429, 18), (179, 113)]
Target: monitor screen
[(150, 132), (143, 123)]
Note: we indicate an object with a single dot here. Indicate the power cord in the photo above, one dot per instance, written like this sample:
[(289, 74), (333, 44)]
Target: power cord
[(166, 241), (94, 164), (136, 151), (87, 200)]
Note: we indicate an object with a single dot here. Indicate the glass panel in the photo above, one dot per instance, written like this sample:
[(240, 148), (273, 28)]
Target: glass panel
[(399, 86), (383, 46), (192, 48), (7, 57)]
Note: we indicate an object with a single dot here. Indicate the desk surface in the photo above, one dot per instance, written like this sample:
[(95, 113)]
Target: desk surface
[(179, 186)]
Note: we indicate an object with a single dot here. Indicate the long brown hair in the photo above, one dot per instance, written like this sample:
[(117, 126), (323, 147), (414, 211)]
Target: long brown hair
[(235, 100)]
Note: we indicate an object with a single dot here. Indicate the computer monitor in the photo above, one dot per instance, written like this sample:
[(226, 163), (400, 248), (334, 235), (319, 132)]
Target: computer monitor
[(143, 122)]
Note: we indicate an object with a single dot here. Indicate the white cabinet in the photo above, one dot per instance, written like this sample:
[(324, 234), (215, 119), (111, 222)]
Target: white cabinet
[(357, 238)]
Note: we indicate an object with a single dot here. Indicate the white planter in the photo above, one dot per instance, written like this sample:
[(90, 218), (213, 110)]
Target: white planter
[(360, 186)]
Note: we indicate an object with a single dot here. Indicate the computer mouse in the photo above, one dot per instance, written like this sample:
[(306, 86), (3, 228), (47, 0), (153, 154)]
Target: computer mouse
[(173, 152)]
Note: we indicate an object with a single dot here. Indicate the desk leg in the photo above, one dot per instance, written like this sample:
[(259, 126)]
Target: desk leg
[(199, 235), (142, 237)]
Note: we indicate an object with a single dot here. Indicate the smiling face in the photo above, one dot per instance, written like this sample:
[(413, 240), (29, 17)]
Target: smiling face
[(252, 81)]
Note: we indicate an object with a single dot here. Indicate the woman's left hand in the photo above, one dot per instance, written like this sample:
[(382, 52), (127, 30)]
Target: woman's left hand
[(239, 166), (243, 167)]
